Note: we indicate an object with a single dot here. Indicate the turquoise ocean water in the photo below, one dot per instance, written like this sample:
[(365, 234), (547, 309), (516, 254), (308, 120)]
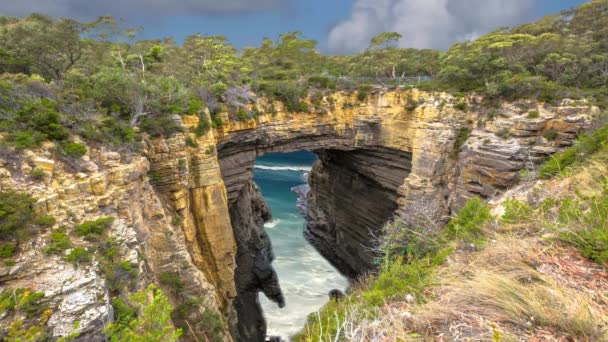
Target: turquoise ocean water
[(305, 276)]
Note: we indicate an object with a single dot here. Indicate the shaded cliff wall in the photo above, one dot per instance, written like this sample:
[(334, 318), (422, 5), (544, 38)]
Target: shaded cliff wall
[(352, 195)]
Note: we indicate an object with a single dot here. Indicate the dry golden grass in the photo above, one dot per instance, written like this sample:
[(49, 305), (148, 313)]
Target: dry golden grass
[(507, 291)]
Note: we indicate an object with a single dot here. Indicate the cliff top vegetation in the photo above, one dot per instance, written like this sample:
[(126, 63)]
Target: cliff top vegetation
[(97, 80)]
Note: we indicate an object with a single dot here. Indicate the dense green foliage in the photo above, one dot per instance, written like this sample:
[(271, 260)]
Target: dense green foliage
[(146, 317), (97, 227), (60, 77), (18, 221), (59, 242)]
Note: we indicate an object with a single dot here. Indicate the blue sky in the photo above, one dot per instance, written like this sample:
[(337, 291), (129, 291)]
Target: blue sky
[(340, 26)]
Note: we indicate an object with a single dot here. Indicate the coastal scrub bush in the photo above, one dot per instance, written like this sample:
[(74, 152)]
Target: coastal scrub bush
[(516, 211), (78, 255), (16, 213), (74, 150), (7, 249), (152, 322), (96, 227), (471, 218), (584, 147), (160, 125), (363, 91), (59, 242), (212, 324)]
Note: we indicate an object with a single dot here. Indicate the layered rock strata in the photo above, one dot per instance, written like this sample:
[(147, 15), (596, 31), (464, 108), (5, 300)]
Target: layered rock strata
[(195, 212)]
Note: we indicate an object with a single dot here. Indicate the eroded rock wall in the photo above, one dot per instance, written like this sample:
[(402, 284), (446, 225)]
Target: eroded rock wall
[(352, 195)]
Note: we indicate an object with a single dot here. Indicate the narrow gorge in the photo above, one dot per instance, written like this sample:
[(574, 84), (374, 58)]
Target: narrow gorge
[(199, 214)]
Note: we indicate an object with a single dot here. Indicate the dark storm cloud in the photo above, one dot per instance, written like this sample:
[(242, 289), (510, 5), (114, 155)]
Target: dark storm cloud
[(89, 9), (426, 23)]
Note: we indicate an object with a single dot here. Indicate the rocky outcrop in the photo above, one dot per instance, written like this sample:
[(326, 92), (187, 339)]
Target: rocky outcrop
[(195, 212), (157, 233), (254, 272)]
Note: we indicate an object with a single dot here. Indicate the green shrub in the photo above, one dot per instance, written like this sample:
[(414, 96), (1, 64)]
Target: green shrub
[(160, 125), (78, 255), (218, 89), (533, 114), (45, 220), (195, 106), (191, 142), (173, 280), (551, 135), (152, 322), (123, 312), (462, 106), (213, 326), (516, 211), (398, 279), (10, 263), (16, 212), (96, 227), (471, 218), (7, 249), (216, 121), (321, 82), (504, 133), (121, 275), (587, 225), (363, 92), (74, 150), (27, 139), (585, 145), (203, 126), (37, 174), (24, 300), (241, 115), (461, 137), (59, 242)]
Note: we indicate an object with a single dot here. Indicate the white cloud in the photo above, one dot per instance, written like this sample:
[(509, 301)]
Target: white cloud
[(90, 9), (426, 23)]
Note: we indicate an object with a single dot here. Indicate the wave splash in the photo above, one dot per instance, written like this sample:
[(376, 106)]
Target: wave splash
[(283, 168)]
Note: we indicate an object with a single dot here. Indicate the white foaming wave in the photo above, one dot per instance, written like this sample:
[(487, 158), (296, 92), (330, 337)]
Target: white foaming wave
[(272, 223), (283, 168)]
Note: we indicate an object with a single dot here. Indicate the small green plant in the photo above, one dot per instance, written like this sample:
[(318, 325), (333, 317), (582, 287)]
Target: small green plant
[(155, 177), (74, 150), (516, 211), (363, 92), (191, 142), (241, 115), (177, 221), (462, 106), (59, 242), (212, 324), (151, 323), (461, 137), (172, 280), (37, 174), (78, 255), (96, 227), (551, 135), (46, 220), (468, 224), (533, 114), (7, 249), (203, 127), (10, 263), (585, 145), (503, 133)]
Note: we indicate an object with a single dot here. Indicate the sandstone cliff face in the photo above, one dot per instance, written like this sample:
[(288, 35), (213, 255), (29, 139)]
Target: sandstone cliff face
[(397, 153), (146, 226), (195, 212)]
